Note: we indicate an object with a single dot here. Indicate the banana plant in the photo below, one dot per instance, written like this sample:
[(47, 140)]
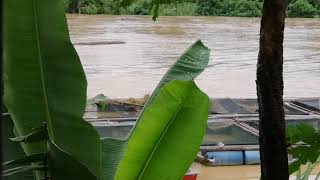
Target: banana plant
[(45, 82), (167, 136), (45, 93), (188, 66)]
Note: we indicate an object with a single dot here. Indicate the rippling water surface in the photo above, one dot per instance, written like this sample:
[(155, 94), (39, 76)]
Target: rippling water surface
[(134, 67)]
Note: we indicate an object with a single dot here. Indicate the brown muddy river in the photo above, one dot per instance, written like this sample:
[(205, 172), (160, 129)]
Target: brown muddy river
[(134, 67), (148, 48)]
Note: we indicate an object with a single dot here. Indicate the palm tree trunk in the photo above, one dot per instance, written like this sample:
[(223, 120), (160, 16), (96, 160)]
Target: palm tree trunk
[(273, 150)]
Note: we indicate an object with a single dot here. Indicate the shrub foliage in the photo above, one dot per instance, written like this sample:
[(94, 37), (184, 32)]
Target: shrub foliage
[(245, 8)]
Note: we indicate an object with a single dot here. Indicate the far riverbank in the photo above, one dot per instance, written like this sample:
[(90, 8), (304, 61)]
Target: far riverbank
[(235, 8)]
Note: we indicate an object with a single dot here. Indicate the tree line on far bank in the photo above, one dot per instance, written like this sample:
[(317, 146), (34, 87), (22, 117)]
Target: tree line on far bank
[(244, 8)]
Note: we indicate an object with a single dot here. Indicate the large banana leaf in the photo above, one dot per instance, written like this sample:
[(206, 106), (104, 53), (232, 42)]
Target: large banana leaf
[(192, 62), (45, 82), (168, 135)]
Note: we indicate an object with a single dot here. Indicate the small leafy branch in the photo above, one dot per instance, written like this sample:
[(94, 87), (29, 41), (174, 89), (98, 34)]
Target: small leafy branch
[(304, 147)]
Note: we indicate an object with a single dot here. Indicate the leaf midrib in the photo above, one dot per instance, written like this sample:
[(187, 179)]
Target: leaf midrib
[(41, 68), (161, 137)]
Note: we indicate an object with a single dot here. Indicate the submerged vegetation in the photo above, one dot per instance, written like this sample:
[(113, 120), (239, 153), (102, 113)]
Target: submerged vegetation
[(246, 8)]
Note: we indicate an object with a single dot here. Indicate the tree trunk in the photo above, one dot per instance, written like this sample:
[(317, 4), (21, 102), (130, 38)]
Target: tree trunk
[(273, 150), (74, 6)]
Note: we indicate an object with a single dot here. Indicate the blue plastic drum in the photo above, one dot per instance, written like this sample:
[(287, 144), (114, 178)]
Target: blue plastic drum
[(225, 158), (252, 157)]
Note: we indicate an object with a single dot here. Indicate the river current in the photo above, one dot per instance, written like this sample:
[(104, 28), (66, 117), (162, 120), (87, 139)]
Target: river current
[(126, 56)]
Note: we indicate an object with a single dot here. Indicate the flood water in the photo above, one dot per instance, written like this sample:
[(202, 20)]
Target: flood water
[(134, 67), (245, 172)]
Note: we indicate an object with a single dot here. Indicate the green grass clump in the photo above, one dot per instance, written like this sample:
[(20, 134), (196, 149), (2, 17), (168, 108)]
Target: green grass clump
[(246, 8), (302, 8)]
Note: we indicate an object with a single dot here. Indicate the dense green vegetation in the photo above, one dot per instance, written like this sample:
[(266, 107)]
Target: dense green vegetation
[(246, 8)]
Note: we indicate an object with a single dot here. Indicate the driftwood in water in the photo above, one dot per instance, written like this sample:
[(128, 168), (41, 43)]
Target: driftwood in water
[(205, 149), (273, 149), (99, 43)]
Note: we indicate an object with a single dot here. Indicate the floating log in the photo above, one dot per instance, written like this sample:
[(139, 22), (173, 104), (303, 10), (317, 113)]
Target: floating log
[(98, 43)]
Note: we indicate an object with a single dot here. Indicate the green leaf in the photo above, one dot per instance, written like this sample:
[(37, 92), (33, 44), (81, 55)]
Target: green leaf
[(12, 150), (21, 169), (64, 166), (98, 100), (157, 148), (112, 151), (293, 167), (36, 135), (26, 160), (301, 132), (44, 81), (305, 147), (304, 154), (192, 62), (95, 99)]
